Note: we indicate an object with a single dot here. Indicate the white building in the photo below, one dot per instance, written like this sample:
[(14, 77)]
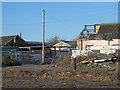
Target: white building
[(104, 39)]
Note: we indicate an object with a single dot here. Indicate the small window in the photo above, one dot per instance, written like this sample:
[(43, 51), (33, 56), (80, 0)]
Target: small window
[(88, 46)]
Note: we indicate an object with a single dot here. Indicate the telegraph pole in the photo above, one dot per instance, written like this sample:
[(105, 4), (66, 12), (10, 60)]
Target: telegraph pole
[(43, 35)]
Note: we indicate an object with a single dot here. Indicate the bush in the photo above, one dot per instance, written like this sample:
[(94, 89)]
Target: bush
[(63, 59), (7, 61)]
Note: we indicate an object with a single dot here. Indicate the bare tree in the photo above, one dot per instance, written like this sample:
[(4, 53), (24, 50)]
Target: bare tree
[(53, 40), (76, 38)]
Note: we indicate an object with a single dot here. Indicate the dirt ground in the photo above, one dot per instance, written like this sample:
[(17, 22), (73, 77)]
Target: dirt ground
[(45, 76)]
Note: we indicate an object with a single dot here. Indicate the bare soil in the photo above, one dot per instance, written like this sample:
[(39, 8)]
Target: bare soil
[(45, 76)]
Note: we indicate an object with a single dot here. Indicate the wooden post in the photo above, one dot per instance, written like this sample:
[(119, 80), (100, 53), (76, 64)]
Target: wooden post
[(73, 63), (118, 74), (108, 42), (81, 44)]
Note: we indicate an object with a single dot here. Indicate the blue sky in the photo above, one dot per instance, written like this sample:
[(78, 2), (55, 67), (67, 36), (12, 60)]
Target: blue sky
[(63, 19)]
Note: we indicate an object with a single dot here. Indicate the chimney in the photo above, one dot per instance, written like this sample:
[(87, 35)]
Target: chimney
[(20, 35)]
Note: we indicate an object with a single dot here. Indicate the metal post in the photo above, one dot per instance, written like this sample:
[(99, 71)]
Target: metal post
[(43, 34)]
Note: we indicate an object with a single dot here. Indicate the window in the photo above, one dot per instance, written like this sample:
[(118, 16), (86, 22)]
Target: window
[(88, 47), (116, 45)]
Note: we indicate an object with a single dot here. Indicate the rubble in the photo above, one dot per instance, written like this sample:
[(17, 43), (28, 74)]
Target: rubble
[(101, 62)]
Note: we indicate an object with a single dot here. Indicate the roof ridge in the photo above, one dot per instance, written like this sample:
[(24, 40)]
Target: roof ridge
[(32, 41), (112, 23), (8, 35)]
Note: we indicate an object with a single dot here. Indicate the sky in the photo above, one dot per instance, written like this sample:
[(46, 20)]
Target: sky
[(63, 19)]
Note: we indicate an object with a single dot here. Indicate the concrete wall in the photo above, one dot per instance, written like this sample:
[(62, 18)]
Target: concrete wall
[(115, 41), (105, 49), (85, 44)]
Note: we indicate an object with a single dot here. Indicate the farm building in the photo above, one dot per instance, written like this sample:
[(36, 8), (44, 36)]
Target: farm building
[(31, 45), (104, 38), (11, 43), (15, 42), (12, 40), (62, 45)]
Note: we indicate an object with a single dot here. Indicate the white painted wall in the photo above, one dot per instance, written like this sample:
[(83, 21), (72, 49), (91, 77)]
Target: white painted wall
[(96, 43), (76, 53), (106, 49)]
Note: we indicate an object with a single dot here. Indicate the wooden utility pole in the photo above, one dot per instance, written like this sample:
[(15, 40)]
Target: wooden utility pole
[(43, 35)]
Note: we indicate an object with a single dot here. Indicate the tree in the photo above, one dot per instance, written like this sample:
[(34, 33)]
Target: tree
[(53, 40), (76, 38)]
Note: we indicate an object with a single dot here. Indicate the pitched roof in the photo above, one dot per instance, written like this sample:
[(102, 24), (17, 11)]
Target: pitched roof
[(6, 39), (50, 44), (107, 31), (33, 43), (72, 43), (92, 36)]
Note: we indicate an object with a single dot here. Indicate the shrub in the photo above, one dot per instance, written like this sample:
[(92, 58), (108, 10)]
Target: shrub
[(63, 59), (6, 60)]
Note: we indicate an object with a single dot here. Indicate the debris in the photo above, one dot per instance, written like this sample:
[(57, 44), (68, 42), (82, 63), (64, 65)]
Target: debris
[(98, 62), (76, 53)]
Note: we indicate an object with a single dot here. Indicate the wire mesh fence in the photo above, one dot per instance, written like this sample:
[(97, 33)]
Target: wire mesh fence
[(35, 57)]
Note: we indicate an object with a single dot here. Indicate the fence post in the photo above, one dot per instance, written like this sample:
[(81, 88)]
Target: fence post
[(118, 74), (73, 63)]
